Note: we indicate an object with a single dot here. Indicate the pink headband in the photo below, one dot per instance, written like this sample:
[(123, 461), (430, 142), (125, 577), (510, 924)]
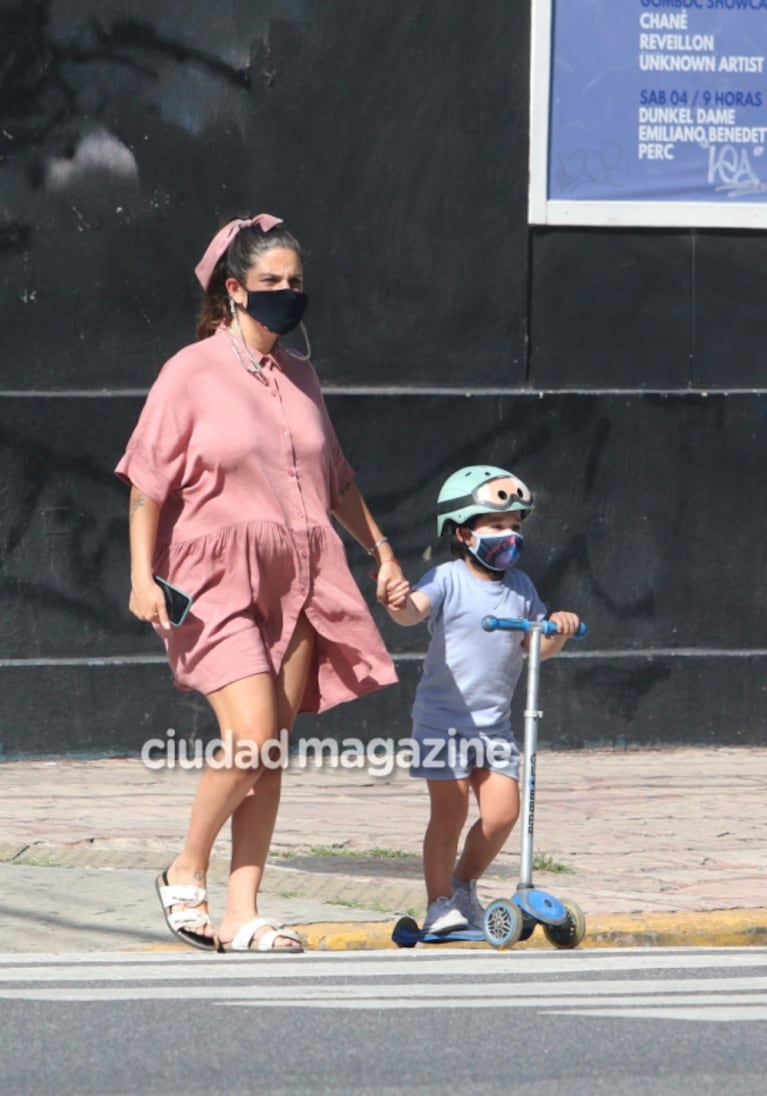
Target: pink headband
[(223, 238)]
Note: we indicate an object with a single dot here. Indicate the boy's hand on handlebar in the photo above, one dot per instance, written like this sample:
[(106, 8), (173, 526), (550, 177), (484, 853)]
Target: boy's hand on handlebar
[(567, 623)]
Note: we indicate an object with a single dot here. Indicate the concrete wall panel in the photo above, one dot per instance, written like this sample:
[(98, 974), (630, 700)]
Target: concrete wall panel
[(393, 139)]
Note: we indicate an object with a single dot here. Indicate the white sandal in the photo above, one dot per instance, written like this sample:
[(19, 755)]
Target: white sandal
[(185, 923), (243, 938)]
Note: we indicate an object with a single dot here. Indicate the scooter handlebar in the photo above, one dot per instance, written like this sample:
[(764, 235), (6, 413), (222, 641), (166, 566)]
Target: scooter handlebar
[(510, 624)]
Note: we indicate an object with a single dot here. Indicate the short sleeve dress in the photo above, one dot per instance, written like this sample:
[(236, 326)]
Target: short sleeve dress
[(246, 469)]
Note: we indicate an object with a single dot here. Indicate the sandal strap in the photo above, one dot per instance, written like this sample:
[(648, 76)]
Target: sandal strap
[(189, 919), (182, 894), (288, 934), (244, 936)]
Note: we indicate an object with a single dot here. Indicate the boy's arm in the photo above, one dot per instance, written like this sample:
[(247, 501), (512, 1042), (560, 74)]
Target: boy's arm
[(412, 610), (567, 626)]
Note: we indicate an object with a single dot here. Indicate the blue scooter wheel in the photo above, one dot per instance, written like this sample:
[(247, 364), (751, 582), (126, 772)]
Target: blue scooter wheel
[(503, 923)]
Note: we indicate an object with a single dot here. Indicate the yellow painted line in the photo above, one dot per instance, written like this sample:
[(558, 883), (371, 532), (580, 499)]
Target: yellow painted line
[(715, 929), (347, 936)]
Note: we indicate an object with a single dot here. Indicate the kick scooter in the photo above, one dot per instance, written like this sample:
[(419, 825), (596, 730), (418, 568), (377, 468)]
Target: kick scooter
[(507, 922)]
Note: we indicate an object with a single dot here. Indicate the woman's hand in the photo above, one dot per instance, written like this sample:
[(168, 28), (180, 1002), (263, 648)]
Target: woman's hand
[(392, 588), (147, 602)]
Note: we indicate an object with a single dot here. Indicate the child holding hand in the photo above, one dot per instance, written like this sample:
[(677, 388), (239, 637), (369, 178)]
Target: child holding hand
[(462, 738)]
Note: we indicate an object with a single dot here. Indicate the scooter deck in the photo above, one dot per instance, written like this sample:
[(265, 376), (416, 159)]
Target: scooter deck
[(406, 934)]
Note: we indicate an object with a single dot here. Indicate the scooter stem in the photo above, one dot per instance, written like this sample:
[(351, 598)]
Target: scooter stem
[(532, 715)]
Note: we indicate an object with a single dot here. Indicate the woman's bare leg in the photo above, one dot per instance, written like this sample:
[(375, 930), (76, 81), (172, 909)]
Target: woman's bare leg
[(254, 818), (246, 713)]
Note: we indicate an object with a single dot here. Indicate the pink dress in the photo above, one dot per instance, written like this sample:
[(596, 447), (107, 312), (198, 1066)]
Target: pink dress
[(246, 469)]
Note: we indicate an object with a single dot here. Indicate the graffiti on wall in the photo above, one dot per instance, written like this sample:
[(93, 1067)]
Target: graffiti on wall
[(123, 134), (54, 99)]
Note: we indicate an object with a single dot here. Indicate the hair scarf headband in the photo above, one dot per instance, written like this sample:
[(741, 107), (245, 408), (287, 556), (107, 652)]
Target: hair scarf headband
[(222, 240)]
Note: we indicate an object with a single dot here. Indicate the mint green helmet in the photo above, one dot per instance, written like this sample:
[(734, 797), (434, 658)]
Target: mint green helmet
[(480, 489)]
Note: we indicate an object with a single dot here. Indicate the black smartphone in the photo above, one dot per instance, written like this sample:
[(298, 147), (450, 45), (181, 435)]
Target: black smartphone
[(178, 603)]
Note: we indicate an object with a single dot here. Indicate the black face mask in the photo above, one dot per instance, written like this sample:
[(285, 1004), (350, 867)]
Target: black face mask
[(278, 310)]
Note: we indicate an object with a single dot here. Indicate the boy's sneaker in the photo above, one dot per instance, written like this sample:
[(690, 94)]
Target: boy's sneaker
[(443, 916), (465, 900)]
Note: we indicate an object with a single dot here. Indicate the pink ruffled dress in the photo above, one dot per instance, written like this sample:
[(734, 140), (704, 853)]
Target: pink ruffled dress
[(246, 468)]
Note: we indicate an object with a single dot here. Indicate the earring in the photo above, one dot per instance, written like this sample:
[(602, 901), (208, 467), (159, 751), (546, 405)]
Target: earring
[(305, 333), (232, 307)]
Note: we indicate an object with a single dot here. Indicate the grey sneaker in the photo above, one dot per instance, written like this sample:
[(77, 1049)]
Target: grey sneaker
[(443, 916), (465, 900)]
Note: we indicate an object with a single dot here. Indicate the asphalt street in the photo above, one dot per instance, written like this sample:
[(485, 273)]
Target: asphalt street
[(687, 1022)]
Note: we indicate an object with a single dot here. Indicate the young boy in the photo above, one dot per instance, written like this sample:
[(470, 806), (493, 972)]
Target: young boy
[(461, 714)]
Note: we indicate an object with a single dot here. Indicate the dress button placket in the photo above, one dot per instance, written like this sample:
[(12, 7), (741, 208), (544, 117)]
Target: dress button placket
[(300, 534)]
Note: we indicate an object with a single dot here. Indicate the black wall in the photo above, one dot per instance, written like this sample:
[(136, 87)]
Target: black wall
[(620, 373)]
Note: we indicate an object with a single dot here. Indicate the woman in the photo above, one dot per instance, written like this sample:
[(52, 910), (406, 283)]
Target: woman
[(235, 471)]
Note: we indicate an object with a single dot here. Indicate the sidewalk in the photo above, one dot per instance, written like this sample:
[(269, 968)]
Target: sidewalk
[(662, 847)]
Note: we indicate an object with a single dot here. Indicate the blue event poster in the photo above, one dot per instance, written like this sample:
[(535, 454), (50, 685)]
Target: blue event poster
[(658, 100)]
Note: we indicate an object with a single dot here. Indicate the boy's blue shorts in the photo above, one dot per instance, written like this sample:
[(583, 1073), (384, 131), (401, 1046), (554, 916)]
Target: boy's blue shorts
[(454, 754)]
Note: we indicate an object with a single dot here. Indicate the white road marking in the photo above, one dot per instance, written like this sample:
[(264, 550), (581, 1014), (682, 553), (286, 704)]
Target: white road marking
[(589, 983), (127, 966)]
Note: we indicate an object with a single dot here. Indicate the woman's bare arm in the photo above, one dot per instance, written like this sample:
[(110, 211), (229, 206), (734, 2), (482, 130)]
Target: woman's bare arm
[(147, 601)]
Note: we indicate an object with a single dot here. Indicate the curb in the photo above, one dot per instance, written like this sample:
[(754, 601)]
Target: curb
[(714, 929)]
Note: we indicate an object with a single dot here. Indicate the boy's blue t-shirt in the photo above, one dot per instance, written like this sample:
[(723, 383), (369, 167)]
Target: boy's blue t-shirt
[(469, 675)]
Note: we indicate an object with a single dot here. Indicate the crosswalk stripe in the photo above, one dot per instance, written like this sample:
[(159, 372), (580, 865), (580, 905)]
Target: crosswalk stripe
[(435, 963), (683, 1007), (675, 985)]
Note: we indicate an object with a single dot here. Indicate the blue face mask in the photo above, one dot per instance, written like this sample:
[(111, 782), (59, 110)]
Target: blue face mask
[(498, 552), (278, 310)]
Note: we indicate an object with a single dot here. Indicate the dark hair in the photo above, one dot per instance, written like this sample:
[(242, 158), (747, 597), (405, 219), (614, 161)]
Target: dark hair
[(243, 252), (457, 548)]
